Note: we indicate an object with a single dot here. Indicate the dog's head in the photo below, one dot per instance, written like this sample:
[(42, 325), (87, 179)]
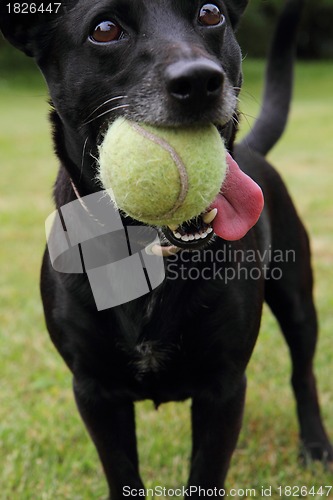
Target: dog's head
[(163, 62)]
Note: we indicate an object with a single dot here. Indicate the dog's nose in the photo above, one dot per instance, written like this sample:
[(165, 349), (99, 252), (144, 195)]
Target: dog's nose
[(194, 80)]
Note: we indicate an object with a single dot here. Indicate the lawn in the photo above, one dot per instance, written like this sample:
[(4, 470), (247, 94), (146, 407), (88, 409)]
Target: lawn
[(45, 453)]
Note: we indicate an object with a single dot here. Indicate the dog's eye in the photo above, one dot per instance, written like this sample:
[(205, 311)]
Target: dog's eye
[(210, 15), (106, 31)]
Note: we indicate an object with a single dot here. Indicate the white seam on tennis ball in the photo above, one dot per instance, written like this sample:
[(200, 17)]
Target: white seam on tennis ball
[(184, 185)]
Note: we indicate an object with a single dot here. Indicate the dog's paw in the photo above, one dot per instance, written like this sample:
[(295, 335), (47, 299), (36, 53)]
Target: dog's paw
[(318, 451)]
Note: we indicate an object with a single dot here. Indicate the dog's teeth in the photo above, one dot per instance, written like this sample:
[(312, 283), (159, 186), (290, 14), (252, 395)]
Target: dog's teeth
[(185, 237), (209, 216), (197, 236), (209, 230), (173, 227), (203, 235), (177, 235)]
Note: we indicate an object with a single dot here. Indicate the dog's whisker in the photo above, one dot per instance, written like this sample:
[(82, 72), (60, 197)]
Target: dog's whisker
[(247, 116), (249, 97), (235, 120), (106, 102), (122, 106), (83, 155)]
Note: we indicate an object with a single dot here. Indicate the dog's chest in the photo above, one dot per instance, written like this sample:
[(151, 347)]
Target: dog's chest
[(151, 342), (152, 357), (159, 369)]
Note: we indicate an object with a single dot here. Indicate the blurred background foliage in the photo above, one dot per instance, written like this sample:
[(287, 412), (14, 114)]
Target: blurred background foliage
[(315, 39), (316, 33)]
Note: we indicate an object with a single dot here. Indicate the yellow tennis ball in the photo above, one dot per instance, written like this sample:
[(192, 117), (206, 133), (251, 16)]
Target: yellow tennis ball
[(161, 176)]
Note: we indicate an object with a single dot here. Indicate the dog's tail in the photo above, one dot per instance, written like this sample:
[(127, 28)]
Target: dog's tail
[(273, 116)]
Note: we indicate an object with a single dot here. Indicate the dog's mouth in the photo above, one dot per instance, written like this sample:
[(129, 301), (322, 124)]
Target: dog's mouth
[(194, 233), (235, 210)]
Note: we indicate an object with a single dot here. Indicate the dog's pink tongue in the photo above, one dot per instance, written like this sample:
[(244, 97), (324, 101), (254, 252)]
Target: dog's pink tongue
[(239, 204)]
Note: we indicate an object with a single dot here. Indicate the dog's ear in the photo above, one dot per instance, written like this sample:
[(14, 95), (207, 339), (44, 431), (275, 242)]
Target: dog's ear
[(24, 26), (236, 9)]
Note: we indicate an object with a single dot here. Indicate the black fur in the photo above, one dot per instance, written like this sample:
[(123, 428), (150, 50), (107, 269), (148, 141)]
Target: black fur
[(187, 338)]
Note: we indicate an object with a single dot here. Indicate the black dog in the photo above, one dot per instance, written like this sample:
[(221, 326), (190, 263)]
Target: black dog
[(172, 63)]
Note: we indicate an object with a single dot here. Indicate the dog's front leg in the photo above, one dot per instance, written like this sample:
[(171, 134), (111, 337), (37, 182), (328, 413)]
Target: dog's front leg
[(216, 424), (111, 425)]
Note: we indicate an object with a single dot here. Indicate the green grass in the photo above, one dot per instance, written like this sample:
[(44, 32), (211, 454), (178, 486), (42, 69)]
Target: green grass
[(44, 450)]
